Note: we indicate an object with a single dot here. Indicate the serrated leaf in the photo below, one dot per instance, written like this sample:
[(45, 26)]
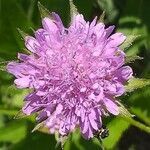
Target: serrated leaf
[(116, 127), (129, 41), (130, 59), (44, 12), (73, 10), (136, 83)]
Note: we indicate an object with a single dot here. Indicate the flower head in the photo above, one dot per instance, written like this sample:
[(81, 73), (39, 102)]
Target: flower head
[(76, 74)]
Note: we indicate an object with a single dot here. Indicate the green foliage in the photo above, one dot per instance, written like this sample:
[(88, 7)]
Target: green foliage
[(13, 132), (109, 7), (131, 18), (117, 127)]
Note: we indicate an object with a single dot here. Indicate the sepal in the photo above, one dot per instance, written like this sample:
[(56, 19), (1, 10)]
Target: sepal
[(136, 83), (102, 17), (129, 41), (44, 12), (131, 59), (73, 10), (22, 33)]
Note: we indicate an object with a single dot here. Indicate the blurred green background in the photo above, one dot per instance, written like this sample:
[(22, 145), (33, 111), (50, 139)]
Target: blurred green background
[(131, 17)]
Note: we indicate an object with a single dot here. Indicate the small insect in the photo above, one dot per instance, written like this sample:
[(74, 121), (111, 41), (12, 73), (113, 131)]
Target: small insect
[(103, 132)]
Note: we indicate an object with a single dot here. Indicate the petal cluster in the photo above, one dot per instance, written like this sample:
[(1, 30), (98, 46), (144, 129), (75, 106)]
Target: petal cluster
[(76, 74)]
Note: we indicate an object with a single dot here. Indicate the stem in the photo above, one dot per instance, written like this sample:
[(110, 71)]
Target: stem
[(138, 124), (138, 113), (101, 143)]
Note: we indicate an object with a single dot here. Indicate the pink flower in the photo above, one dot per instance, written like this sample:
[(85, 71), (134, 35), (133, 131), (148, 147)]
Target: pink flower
[(76, 74)]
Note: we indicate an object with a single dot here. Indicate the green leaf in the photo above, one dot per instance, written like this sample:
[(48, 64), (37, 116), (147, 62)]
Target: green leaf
[(140, 104), (136, 83), (7, 112), (12, 95), (125, 114), (76, 142), (12, 16), (13, 132), (130, 59), (36, 141), (137, 124), (129, 41), (143, 115), (116, 127), (132, 26)]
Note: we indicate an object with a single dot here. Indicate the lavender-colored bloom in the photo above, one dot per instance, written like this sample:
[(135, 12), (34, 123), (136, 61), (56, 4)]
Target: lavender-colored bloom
[(76, 74)]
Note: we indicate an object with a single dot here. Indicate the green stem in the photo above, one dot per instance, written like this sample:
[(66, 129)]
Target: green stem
[(101, 144), (138, 113), (138, 124)]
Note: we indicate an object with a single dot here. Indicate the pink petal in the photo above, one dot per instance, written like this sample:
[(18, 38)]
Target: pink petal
[(85, 125), (14, 68), (111, 107), (49, 25), (93, 124), (59, 109), (28, 109), (23, 57), (90, 133), (82, 113), (109, 30), (78, 21), (43, 37), (59, 23), (31, 44), (22, 82), (126, 72), (117, 39)]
